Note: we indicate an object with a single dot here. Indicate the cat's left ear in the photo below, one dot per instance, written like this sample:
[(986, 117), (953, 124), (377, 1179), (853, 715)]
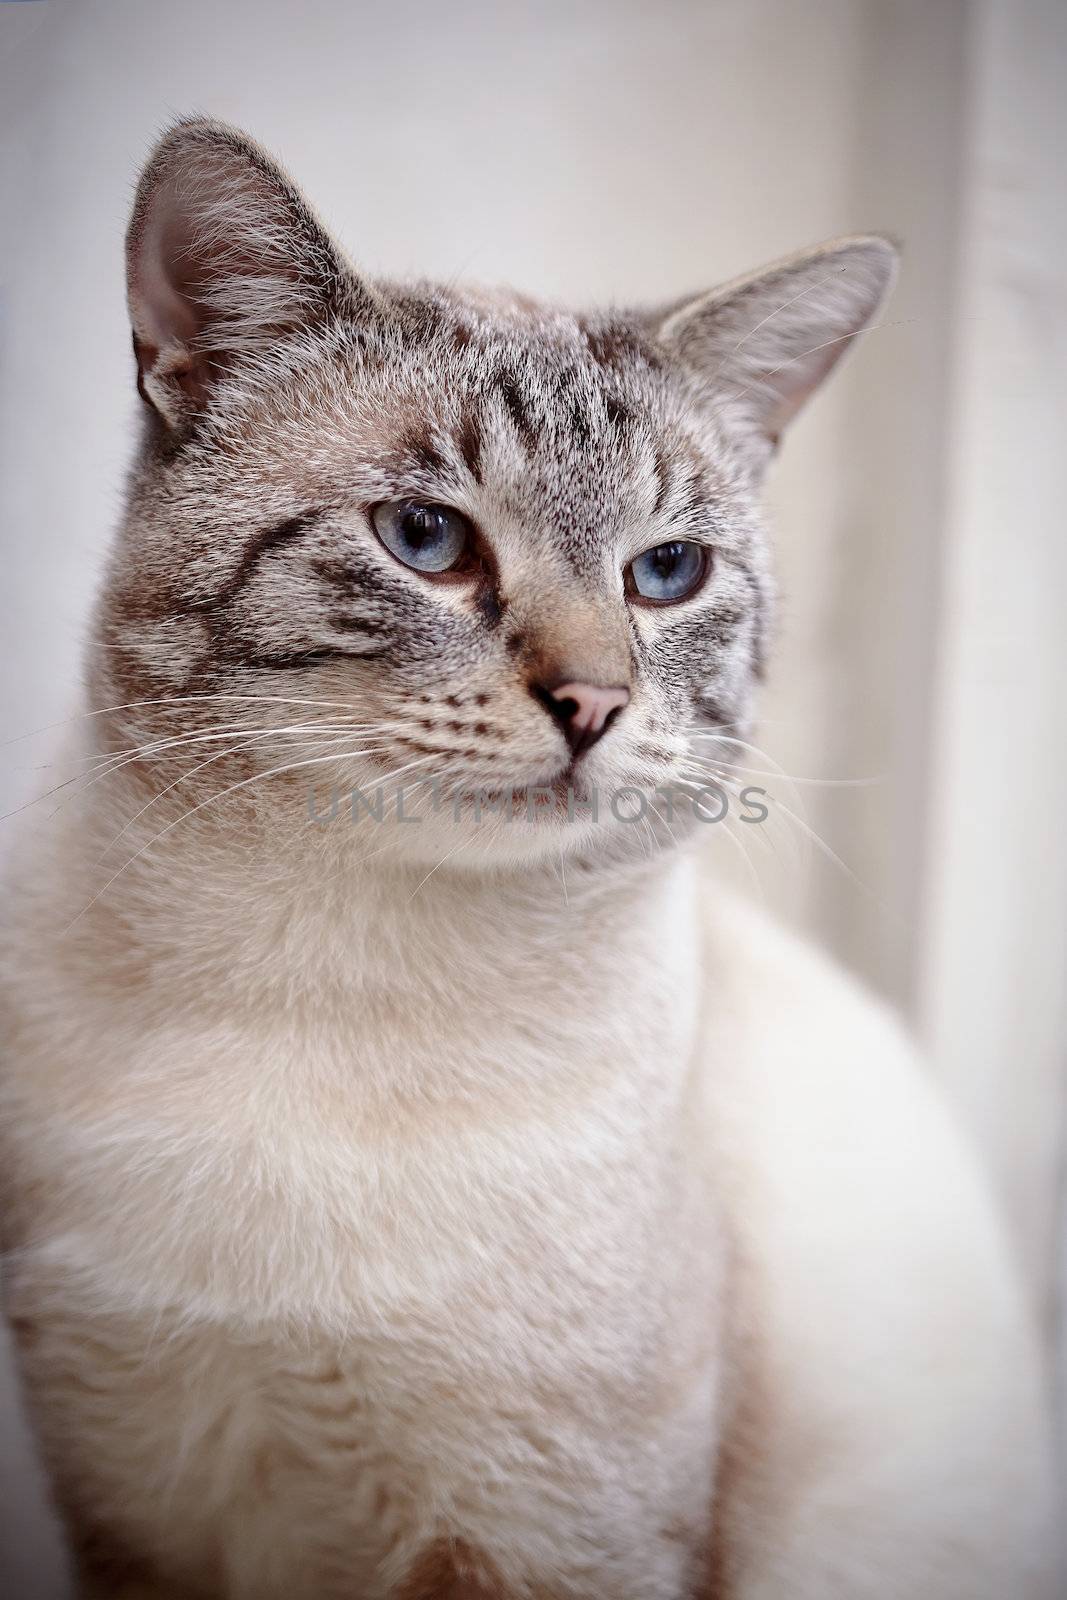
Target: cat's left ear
[(766, 341), (225, 260)]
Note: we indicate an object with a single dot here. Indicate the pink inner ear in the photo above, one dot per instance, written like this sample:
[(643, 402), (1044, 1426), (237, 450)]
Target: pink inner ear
[(772, 338), (224, 261), (164, 314)]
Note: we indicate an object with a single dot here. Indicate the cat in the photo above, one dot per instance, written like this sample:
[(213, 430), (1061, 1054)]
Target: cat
[(456, 1192)]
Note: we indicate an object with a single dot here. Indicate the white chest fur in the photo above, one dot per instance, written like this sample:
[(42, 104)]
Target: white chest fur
[(430, 1151)]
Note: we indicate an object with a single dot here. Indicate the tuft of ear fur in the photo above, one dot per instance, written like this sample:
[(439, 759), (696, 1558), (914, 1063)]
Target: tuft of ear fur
[(766, 341), (223, 258)]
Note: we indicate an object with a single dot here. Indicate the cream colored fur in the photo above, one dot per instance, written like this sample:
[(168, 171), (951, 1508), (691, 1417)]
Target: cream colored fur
[(627, 1178), (494, 1208)]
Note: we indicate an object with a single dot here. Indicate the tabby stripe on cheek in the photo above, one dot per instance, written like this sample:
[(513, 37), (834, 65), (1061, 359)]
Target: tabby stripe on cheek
[(295, 660), (756, 589), (262, 544), (348, 623)]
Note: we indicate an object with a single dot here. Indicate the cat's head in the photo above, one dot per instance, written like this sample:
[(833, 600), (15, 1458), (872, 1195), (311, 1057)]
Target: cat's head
[(441, 534)]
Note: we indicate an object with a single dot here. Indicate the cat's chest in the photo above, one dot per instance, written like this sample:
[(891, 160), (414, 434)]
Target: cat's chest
[(317, 1162), (359, 1310), (261, 1467)]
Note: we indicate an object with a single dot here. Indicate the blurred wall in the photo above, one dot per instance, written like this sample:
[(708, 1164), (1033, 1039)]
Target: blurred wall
[(992, 941)]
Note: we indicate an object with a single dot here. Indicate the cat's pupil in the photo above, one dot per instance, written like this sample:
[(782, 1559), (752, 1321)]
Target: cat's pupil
[(423, 525), (666, 557)]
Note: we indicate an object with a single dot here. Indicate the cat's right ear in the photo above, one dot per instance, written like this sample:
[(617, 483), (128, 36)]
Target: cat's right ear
[(224, 260)]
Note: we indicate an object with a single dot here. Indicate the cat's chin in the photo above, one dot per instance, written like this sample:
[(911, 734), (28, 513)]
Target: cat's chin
[(513, 834)]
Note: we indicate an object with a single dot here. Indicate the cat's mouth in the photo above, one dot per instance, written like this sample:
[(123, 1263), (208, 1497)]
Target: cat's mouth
[(564, 796)]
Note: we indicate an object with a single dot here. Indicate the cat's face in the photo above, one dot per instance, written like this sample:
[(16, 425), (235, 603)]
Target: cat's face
[(503, 556)]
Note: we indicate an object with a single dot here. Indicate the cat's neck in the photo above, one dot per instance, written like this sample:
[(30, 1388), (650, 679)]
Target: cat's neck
[(313, 928)]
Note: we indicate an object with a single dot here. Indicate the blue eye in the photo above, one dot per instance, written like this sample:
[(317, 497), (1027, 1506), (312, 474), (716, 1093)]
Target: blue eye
[(669, 572), (422, 535)]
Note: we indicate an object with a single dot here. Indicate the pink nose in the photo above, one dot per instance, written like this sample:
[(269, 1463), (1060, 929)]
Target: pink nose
[(583, 710)]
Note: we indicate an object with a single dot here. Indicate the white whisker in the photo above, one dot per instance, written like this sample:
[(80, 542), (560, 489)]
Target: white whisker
[(233, 788), (232, 750), (762, 323), (176, 700), (457, 846), (772, 372)]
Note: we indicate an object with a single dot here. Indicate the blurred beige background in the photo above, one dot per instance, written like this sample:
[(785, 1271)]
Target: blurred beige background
[(618, 150)]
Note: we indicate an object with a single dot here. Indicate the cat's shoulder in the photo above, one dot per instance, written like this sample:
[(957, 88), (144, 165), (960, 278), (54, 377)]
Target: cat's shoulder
[(782, 988), (881, 1326), (848, 1175), (832, 1127)]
